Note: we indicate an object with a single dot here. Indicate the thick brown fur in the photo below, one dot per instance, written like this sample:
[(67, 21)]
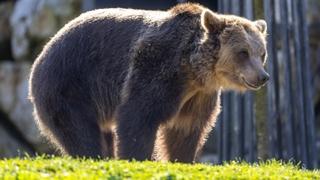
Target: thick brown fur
[(191, 8), (137, 84)]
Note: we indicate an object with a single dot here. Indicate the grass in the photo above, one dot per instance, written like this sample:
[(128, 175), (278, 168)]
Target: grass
[(69, 168)]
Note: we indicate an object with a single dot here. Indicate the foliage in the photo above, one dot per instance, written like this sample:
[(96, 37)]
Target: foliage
[(69, 168)]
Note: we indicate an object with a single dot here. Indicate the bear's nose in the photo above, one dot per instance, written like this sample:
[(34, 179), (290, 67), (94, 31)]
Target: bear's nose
[(264, 77)]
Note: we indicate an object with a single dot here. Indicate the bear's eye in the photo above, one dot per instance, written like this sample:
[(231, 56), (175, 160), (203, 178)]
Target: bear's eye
[(244, 54)]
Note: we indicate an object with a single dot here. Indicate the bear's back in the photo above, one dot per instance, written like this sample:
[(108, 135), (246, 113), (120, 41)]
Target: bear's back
[(99, 35), (91, 50)]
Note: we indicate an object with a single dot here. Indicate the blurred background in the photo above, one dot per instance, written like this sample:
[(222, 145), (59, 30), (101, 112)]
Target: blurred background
[(280, 121)]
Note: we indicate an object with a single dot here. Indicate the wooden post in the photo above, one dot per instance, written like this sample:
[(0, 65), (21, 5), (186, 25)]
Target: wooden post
[(306, 81), (299, 86), (287, 110)]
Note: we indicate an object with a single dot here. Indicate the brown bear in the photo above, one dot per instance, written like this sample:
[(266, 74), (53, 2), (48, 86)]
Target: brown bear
[(138, 84)]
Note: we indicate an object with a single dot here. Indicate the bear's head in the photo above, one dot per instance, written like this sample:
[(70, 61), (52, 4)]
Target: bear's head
[(241, 57)]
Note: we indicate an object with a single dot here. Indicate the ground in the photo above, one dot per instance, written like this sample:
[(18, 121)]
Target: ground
[(69, 168)]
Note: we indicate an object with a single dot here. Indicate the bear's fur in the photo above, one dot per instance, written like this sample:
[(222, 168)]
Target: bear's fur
[(143, 84)]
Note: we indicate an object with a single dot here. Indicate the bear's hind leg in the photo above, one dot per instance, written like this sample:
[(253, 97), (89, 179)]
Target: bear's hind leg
[(109, 144), (73, 128)]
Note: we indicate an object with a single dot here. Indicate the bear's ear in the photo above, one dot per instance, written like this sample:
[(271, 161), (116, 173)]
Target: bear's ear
[(210, 21), (261, 25)]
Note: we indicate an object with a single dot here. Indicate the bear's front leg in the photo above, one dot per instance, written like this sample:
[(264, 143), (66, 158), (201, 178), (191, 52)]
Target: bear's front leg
[(182, 138), (141, 113)]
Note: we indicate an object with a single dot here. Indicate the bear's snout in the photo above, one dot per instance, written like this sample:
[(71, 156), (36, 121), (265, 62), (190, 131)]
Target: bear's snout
[(263, 78)]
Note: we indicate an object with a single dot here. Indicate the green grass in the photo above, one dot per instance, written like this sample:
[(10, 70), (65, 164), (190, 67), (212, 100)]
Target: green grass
[(68, 168)]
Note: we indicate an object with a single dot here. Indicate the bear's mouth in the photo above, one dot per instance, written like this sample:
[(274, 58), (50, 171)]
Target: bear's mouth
[(249, 85)]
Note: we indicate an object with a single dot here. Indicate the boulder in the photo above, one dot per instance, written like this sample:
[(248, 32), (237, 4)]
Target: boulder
[(34, 21), (6, 9), (14, 102), (7, 86), (9, 146)]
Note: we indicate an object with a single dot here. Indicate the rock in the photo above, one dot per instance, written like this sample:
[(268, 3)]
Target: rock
[(20, 22), (5, 13), (34, 21), (7, 86), (87, 5), (9, 147), (14, 102), (21, 113), (44, 24), (25, 26), (6, 9)]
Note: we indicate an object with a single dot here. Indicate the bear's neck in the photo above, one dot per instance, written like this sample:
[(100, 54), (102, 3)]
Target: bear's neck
[(203, 62)]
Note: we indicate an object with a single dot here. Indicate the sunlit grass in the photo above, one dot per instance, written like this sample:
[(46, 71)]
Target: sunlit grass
[(70, 168)]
